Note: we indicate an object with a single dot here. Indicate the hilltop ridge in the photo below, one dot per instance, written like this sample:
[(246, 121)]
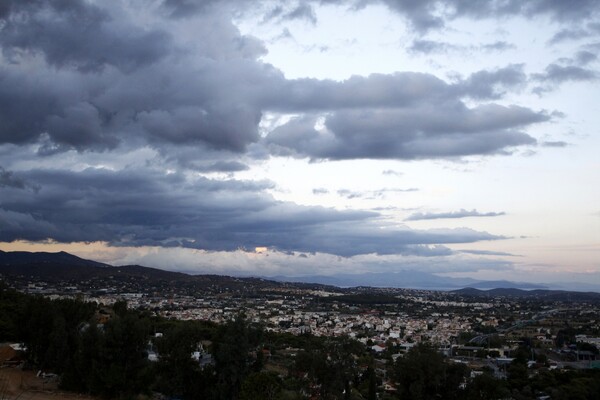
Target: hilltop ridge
[(65, 268)]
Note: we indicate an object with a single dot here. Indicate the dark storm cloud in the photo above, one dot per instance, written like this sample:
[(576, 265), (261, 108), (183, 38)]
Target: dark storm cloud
[(430, 14), (556, 74), (568, 69), (419, 13), (161, 101), (585, 57), (140, 207), (591, 29), (448, 129), (453, 214), (302, 11), (232, 127), (423, 15), (491, 84), (430, 46), (25, 226), (593, 47), (99, 79), (79, 34), (375, 90), (32, 106), (404, 116), (223, 166), (7, 179), (105, 110), (280, 12), (25, 104), (497, 46), (188, 8), (568, 34), (216, 100), (348, 239)]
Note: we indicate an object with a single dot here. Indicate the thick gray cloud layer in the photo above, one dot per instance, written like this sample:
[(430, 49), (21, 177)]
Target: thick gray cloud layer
[(79, 34), (423, 15), (180, 79), (7, 179), (430, 14), (405, 116), (424, 131), (426, 46), (555, 74), (575, 33), (138, 207), (111, 81)]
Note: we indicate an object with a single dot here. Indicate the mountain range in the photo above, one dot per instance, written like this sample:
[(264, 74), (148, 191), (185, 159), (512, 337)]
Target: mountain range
[(65, 266), (406, 279)]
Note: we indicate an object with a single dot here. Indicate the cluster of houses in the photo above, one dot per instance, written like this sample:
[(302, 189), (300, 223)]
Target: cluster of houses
[(433, 317)]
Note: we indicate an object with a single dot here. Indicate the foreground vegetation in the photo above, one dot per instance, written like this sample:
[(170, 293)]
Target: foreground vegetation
[(104, 352)]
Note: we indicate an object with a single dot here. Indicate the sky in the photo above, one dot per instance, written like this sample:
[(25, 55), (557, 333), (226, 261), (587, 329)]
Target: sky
[(291, 138)]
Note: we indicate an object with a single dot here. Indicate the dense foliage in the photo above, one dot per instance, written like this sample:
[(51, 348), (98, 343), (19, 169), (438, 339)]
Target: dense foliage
[(423, 374)]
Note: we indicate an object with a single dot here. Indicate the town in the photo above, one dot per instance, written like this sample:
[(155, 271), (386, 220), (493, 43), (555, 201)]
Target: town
[(481, 334), (482, 331)]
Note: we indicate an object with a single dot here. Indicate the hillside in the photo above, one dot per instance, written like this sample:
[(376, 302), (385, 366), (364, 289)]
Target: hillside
[(64, 269), (551, 295)]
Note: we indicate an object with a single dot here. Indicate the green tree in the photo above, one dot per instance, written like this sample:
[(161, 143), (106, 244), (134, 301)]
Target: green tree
[(12, 312), (372, 393), (423, 374), (261, 386), (84, 374), (178, 374), (58, 354), (329, 366), (517, 375), (231, 353), (486, 387), (121, 363)]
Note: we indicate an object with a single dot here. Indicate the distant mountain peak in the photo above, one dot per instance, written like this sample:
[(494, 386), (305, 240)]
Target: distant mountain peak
[(47, 263), (60, 257)]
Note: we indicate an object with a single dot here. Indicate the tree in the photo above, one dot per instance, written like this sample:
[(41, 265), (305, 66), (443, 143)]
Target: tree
[(178, 374), (517, 375), (259, 386), (58, 353), (231, 353), (120, 308), (121, 365), (84, 375), (372, 394), (486, 387), (12, 312), (423, 374)]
